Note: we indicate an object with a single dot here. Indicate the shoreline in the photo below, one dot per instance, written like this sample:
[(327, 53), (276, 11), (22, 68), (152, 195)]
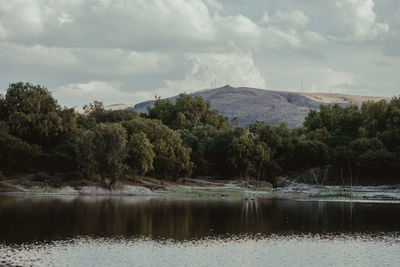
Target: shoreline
[(228, 191)]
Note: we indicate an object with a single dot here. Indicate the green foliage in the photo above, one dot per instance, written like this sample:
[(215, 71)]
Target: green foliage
[(313, 121), (309, 153), (247, 156), (362, 145), (362, 141), (374, 117), (16, 154), (266, 134), (95, 111), (186, 113), (283, 130), (216, 150), (34, 116), (185, 136), (375, 159), (336, 119), (241, 157), (3, 110), (65, 156), (172, 158), (194, 139), (140, 153), (321, 134), (103, 150)]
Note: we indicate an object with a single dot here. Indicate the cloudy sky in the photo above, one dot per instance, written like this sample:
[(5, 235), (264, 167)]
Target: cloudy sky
[(120, 51)]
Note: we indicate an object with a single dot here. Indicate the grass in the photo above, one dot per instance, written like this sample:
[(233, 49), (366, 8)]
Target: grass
[(4, 188)]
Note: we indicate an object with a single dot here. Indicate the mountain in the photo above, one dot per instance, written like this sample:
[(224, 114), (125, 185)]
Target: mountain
[(250, 104)]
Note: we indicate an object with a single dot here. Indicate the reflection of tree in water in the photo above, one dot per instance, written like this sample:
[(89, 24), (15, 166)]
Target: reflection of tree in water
[(24, 219), (250, 209)]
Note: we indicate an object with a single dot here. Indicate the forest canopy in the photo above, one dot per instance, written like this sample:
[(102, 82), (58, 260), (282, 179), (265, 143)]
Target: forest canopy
[(186, 137)]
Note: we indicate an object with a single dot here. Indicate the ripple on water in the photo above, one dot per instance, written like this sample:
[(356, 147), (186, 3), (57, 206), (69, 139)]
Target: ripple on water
[(274, 250)]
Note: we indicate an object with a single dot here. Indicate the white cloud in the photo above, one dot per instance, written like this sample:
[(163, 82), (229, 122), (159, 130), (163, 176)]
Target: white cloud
[(215, 4), (281, 29), (207, 70), (359, 21), (182, 45), (107, 23), (314, 37), (23, 17), (121, 62), (265, 18), (237, 29), (294, 18), (319, 79), (64, 18), (36, 55), (79, 94), (90, 61), (140, 25), (277, 38)]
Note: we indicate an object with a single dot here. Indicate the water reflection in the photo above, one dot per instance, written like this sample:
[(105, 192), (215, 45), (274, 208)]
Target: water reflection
[(35, 218), (250, 209)]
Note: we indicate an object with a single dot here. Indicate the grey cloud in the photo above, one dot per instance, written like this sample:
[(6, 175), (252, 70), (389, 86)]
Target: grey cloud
[(392, 45), (129, 49), (382, 63), (313, 54)]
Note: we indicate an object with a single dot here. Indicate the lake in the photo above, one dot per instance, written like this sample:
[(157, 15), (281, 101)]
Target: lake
[(173, 231)]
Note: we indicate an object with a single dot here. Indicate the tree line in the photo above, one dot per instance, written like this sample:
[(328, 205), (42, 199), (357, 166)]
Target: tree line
[(186, 137)]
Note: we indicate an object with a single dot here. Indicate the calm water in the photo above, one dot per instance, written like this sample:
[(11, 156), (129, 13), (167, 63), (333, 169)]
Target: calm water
[(89, 231)]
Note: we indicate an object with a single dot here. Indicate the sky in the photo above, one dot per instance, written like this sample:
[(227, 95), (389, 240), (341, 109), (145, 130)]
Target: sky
[(120, 51)]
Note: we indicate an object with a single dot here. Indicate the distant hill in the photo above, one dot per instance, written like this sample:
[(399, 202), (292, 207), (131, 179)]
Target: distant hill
[(273, 107)]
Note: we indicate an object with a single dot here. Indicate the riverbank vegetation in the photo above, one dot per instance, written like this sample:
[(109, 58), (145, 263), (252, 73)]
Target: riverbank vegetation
[(336, 144)]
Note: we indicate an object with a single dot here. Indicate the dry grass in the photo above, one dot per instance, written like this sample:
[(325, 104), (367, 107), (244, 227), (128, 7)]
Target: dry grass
[(342, 98)]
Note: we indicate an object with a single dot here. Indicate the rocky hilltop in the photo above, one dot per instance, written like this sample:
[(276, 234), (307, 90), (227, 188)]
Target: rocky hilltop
[(273, 107)]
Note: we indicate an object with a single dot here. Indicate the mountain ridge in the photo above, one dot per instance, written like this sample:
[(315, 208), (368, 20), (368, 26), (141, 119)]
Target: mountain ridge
[(270, 106)]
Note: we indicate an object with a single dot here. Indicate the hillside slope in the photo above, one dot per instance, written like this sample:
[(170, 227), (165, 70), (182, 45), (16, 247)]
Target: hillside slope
[(273, 107)]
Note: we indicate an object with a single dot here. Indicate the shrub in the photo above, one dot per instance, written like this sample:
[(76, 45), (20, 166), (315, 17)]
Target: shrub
[(40, 177)]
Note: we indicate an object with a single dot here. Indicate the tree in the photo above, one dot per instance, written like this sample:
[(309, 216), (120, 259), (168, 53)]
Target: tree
[(241, 155), (186, 113), (163, 110), (15, 154), (321, 134), (261, 156), (266, 134), (375, 116), (336, 119), (310, 153), (371, 157), (140, 153), (3, 110), (313, 120), (103, 150), (362, 145), (216, 152), (65, 156), (33, 115), (172, 158), (95, 111), (393, 122)]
